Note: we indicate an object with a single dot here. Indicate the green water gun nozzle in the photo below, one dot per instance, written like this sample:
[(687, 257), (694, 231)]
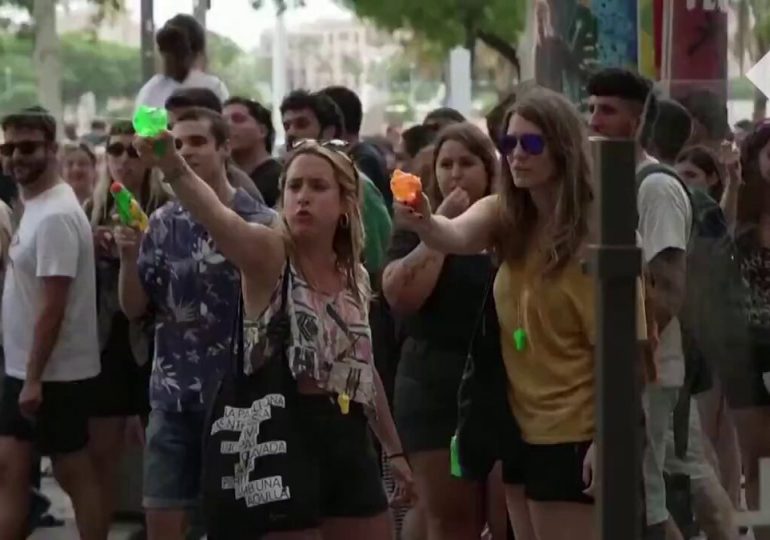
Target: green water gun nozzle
[(150, 122)]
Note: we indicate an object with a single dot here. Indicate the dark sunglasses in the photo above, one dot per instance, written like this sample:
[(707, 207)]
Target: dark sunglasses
[(118, 149), (24, 147), (532, 143)]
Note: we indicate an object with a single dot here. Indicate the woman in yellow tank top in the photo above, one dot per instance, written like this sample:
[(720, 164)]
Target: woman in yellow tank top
[(539, 226)]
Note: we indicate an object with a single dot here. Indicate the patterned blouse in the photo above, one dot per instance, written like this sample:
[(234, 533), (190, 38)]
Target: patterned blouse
[(755, 267), (330, 339)]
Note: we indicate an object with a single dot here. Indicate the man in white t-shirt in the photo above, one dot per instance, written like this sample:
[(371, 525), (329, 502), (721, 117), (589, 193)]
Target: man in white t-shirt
[(182, 45), (49, 332), (619, 105)]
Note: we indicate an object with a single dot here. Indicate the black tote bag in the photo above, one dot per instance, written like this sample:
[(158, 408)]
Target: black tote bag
[(486, 429), (258, 473)]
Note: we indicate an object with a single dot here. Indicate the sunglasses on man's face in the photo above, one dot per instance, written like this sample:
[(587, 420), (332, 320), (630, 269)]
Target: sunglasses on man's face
[(532, 143), (118, 149), (24, 147)]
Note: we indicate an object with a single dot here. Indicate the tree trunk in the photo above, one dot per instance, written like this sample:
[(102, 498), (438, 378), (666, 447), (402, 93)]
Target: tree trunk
[(760, 105), (505, 49), (505, 79), (760, 100), (47, 58)]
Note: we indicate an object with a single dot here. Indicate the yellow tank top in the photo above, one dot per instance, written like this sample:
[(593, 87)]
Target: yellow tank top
[(551, 378)]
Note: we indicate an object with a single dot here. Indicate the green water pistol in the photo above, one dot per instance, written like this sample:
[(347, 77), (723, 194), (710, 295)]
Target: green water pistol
[(129, 211), (150, 122)]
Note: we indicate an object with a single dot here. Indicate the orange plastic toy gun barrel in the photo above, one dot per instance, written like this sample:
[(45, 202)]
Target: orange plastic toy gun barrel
[(406, 188)]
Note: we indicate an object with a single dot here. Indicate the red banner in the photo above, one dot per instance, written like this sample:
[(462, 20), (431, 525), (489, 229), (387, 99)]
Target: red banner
[(698, 47)]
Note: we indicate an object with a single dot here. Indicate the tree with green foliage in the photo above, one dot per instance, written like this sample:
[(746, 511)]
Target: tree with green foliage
[(47, 51), (241, 72), (280, 5), (109, 70), (752, 37), (440, 25), (449, 23)]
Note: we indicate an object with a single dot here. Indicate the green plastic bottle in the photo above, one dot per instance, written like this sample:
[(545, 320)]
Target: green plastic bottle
[(454, 459), (150, 122)]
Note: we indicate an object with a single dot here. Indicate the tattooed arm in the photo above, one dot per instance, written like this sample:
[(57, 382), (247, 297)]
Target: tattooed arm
[(666, 284), (409, 281), (665, 221)]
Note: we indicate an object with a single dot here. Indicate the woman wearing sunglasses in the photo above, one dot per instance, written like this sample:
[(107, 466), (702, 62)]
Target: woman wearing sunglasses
[(435, 295), (318, 248), (78, 166), (539, 228), (120, 391)]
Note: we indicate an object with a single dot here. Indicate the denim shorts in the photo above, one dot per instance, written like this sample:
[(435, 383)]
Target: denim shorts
[(173, 459)]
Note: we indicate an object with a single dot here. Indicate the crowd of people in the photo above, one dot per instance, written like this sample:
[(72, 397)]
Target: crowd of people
[(381, 311)]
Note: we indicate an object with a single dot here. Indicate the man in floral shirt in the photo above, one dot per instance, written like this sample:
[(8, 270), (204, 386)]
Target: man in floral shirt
[(179, 277)]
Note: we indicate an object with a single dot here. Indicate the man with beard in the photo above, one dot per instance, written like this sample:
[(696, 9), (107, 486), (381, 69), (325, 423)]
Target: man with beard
[(176, 272), (49, 332)]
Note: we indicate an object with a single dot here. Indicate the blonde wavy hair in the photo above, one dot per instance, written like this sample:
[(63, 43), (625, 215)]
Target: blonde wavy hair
[(348, 242), (566, 139), (154, 193)]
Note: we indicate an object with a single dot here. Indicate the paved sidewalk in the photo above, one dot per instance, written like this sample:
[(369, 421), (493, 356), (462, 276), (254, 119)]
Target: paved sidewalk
[(61, 507)]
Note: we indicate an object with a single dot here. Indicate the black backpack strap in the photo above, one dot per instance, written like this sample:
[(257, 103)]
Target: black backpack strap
[(237, 344), (478, 325)]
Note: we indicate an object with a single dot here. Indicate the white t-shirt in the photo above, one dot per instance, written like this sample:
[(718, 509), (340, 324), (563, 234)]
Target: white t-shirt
[(665, 221), (53, 239), (159, 88)]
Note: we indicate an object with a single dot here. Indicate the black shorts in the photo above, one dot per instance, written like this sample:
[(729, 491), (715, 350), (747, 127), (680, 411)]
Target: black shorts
[(61, 424), (122, 387), (349, 469), (550, 473), (425, 403), (742, 378)]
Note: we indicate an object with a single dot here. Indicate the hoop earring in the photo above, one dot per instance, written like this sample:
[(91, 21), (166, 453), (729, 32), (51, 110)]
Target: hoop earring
[(345, 220)]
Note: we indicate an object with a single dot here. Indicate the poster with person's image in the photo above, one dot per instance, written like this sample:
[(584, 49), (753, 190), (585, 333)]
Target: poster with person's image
[(575, 37), (565, 45)]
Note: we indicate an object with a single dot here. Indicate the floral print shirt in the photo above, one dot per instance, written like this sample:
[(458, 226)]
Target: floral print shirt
[(194, 292)]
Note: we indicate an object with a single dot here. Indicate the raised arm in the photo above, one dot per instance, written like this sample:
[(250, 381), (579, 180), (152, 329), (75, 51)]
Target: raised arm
[(256, 249), (468, 234)]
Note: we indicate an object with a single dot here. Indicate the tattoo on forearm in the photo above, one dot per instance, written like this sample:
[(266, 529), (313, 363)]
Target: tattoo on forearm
[(412, 265)]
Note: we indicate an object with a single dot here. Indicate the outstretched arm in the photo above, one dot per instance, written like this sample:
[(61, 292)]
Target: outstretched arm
[(468, 234), (256, 249)]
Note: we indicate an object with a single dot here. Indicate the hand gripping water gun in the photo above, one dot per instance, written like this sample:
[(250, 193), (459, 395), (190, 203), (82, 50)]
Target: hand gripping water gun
[(150, 122), (406, 188), (131, 214)]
